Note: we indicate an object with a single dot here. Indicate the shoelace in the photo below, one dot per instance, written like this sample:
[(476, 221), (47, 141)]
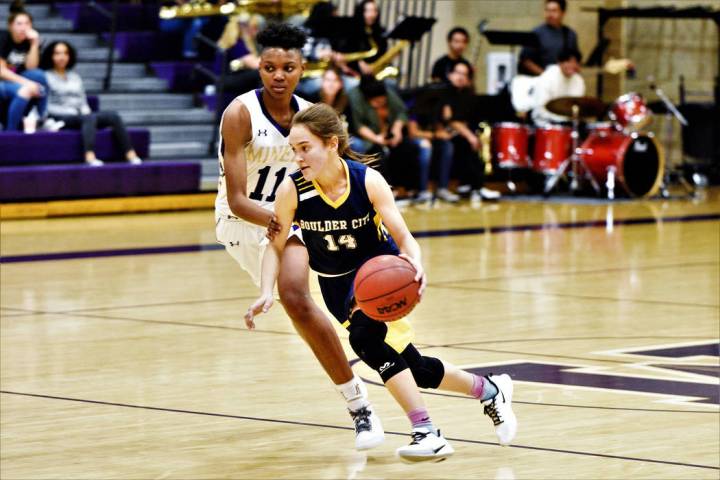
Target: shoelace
[(362, 420), (491, 411), (418, 437)]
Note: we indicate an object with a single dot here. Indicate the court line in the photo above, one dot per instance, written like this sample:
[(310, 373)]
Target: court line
[(41, 257), (577, 296), (337, 427)]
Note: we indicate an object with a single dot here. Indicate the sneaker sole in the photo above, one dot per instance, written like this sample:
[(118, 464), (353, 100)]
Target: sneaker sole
[(369, 445), (435, 457)]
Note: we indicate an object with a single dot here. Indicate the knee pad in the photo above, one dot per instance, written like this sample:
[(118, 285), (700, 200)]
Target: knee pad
[(367, 339), (427, 371)]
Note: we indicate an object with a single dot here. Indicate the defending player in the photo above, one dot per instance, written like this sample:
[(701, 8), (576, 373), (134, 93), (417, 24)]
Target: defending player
[(343, 208), (254, 159)]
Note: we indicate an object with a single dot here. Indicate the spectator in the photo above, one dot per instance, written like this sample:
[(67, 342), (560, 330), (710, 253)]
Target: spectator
[(332, 92), (239, 42), (367, 33), (20, 79), (561, 80), (459, 111), (379, 116), (68, 103), (426, 128), (457, 42), (553, 38)]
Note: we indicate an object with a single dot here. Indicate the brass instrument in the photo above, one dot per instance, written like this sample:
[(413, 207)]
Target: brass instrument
[(315, 69), (283, 8), (484, 152), (380, 67)]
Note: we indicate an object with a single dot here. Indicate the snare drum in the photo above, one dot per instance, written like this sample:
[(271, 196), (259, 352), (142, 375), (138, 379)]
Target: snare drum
[(636, 158), (510, 145), (630, 112), (553, 145)]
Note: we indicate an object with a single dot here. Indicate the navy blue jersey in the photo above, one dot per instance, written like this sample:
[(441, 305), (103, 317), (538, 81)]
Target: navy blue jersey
[(340, 236)]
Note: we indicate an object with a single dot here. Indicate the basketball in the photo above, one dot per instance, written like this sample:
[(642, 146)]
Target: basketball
[(385, 288)]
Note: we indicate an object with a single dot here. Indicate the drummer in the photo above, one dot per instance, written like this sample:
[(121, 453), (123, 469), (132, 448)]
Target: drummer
[(560, 80)]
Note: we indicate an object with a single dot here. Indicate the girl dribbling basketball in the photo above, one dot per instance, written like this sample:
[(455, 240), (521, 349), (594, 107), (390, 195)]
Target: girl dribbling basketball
[(347, 215)]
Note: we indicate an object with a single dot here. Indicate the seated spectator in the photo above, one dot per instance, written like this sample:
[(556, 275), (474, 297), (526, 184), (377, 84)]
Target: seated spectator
[(68, 103), (427, 129), (238, 41), (462, 117), (20, 79), (457, 42), (332, 92), (379, 116), (187, 27)]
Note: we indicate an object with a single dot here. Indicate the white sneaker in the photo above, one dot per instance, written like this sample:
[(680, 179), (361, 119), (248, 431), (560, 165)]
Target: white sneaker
[(135, 161), (96, 162), (369, 432), (475, 196), (463, 189), (488, 194), (499, 408), (423, 197), (52, 125), (425, 445), (447, 196)]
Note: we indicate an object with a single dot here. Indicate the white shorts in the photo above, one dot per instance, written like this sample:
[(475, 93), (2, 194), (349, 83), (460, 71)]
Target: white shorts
[(246, 243)]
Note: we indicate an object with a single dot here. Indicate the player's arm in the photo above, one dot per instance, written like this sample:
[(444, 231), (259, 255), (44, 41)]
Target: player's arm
[(236, 133), (285, 206), (382, 199)]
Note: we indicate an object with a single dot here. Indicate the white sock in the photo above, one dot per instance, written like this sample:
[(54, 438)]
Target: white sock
[(355, 393)]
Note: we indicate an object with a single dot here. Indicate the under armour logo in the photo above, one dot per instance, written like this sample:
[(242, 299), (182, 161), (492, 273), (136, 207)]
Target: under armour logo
[(262, 132), (234, 244), (385, 366)]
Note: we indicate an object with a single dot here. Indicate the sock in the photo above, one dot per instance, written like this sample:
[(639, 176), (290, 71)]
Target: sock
[(354, 393), (420, 418), (482, 388)]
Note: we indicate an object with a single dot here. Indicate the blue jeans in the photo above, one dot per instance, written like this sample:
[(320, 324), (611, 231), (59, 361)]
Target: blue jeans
[(444, 151), (189, 29), (18, 105), (424, 157)]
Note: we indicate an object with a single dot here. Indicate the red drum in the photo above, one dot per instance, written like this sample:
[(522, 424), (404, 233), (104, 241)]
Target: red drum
[(636, 158), (601, 128), (510, 145), (553, 144), (630, 111)]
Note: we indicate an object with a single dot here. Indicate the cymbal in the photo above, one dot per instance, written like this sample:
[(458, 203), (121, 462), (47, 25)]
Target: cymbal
[(587, 106)]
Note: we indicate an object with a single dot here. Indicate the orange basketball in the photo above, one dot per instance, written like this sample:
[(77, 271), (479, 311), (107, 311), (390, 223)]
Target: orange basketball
[(385, 288)]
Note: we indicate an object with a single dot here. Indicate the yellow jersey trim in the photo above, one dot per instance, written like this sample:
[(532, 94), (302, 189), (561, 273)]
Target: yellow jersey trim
[(337, 203)]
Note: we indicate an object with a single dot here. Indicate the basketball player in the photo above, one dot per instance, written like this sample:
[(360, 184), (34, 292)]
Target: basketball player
[(254, 159), (343, 208)]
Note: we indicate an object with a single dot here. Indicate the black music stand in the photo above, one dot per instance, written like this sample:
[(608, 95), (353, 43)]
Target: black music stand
[(412, 29), (513, 39)]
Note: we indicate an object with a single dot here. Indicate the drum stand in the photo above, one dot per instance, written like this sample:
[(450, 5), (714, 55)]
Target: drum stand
[(575, 161), (671, 112)]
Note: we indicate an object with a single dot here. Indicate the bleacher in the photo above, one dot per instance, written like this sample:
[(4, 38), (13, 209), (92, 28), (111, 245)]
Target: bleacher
[(150, 92)]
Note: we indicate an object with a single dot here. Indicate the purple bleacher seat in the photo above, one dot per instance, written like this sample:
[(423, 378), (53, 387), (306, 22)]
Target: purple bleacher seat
[(210, 101), (178, 73), (65, 146), (93, 102), (130, 16), (146, 46), (80, 181)]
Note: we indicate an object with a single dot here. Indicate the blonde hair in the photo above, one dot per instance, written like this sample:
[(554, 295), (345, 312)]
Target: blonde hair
[(323, 121)]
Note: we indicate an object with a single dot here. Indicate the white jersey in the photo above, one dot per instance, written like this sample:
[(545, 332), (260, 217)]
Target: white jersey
[(268, 155)]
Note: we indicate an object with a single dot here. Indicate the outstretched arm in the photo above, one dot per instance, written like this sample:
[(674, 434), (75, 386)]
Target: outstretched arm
[(285, 206), (382, 199)]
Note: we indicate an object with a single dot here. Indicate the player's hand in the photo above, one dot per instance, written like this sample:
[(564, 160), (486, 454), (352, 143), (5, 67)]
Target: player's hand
[(419, 273), (273, 228), (261, 305)]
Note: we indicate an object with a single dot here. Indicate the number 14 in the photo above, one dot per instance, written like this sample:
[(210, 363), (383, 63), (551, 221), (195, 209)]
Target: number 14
[(348, 241)]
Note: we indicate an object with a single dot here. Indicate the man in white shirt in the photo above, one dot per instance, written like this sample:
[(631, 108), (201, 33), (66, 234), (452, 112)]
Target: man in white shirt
[(560, 80)]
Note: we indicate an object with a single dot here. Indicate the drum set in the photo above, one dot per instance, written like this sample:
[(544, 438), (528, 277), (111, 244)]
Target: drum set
[(614, 152)]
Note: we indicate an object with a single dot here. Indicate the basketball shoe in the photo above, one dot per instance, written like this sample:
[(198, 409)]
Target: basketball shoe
[(499, 408), (425, 445), (369, 432)]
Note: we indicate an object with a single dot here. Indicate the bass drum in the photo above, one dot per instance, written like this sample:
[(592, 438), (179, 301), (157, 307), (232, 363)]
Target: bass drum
[(637, 159), (510, 145)]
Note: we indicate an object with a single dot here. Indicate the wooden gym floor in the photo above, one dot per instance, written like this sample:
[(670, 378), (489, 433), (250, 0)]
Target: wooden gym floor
[(124, 353)]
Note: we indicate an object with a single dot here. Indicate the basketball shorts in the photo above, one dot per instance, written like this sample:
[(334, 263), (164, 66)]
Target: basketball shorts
[(339, 298), (246, 243)]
